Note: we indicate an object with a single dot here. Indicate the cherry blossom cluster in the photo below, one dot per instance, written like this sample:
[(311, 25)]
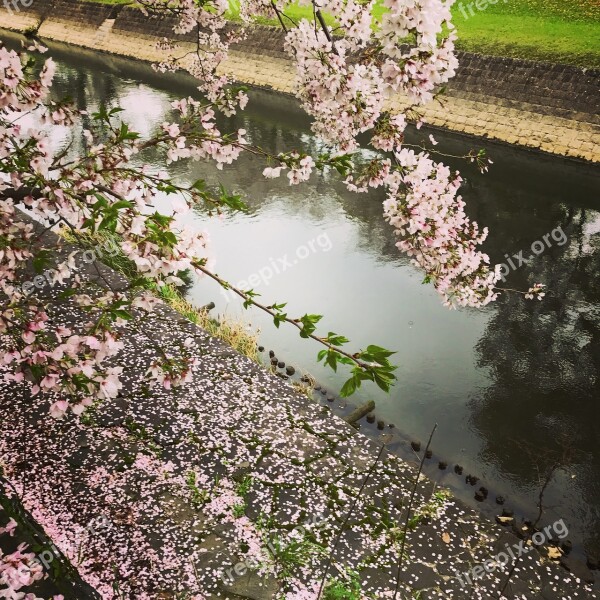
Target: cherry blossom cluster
[(300, 167), (208, 142), (343, 81), (409, 37), (207, 21), (536, 291), (429, 217), (60, 362), (83, 195), (344, 98), (19, 569)]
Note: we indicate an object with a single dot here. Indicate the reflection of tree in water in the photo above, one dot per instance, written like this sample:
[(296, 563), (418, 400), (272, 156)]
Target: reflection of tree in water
[(544, 363)]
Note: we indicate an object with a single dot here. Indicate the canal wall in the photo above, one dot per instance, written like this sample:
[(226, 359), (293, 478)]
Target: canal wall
[(193, 485), (549, 107)]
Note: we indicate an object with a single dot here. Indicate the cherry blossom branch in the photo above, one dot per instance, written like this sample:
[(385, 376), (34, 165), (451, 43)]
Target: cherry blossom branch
[(277, 12), (325, 29), (277, 314), (370, 364)]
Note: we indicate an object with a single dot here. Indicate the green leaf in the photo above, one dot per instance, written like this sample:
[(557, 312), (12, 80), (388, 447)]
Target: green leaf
[(332, 359), (336, 340), (379, 351), (309, 324), (122, 204), (41, 261), (349, 387), (122, 314)]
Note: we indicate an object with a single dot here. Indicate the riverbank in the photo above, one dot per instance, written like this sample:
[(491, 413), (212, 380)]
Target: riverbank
[(197, 485), (549, 108), (556, 31)]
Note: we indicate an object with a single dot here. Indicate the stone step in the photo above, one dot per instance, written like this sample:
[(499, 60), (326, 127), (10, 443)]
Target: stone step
[(104, 30)]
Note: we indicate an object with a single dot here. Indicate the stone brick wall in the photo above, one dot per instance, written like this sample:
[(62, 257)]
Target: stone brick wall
[(133, 21), (90, 13), (554, 108), (555, 89), (563, 90)]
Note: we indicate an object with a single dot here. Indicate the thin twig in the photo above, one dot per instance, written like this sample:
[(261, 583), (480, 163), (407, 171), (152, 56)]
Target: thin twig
[(408, 511), (547, 481), (326, 31), (348, 515), (279, 16), (273, 313)]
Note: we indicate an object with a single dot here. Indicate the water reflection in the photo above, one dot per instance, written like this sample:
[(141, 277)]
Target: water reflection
[(543, 361)]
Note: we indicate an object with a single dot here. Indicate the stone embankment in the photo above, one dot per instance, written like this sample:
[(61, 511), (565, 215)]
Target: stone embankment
[(237, 486), (552, 108)]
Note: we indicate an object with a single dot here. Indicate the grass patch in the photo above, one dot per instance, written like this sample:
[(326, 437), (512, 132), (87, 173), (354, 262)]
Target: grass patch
[(565, 32), (562, 31), (236, 333)]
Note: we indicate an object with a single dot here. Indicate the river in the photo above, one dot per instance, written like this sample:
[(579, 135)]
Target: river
[(514, 387)]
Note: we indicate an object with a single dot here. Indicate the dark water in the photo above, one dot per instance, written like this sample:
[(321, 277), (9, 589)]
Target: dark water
[(514, 388)]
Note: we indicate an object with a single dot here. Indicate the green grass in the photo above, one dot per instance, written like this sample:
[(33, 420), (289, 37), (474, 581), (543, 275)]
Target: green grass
[(565, 31)]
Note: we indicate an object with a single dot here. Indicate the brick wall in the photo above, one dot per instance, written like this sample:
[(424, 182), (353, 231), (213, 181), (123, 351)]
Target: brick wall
[(90, 13), (553, 89), (133, 20), (560, 90), (563, 90)]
